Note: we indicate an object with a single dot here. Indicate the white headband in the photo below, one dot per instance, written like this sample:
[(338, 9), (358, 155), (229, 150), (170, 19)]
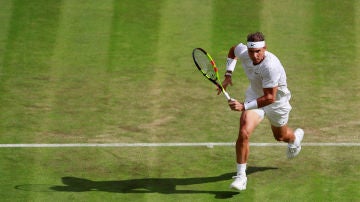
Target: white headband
[(257, 44)]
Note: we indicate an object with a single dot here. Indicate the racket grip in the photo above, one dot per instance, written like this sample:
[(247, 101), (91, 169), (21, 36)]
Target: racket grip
[(227, 96)]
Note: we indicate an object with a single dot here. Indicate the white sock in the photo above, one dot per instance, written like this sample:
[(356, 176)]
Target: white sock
[(241, 169)]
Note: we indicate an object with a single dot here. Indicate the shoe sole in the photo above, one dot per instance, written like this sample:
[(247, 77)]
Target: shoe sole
[(294, 155), (239, 189)]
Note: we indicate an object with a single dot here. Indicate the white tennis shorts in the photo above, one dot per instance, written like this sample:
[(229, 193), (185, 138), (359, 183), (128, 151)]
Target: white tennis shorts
[(278, 112)]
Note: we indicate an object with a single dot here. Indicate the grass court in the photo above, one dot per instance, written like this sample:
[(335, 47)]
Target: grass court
[(121, 71)]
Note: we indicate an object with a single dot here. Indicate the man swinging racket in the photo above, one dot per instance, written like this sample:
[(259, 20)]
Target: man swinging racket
[(267, 95)]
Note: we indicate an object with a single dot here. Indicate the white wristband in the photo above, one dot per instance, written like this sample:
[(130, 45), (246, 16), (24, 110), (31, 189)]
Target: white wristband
[(230, 64), (251, 105)]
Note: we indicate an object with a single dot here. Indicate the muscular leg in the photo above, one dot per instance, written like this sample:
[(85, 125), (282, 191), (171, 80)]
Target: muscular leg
[(294, 139), (248, 122), (283, 133)]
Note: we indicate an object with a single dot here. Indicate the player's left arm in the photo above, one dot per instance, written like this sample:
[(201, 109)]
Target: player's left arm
[(268, 98), (270, 78)]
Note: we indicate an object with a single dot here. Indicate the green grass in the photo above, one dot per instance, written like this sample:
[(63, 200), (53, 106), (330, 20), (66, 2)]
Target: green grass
[(153, 174), (121, 71)]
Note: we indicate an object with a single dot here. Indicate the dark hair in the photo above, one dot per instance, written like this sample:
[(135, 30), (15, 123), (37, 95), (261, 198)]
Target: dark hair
[(257, 36)]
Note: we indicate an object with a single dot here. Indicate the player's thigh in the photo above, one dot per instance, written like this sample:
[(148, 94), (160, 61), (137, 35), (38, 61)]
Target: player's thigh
[(250, 119)]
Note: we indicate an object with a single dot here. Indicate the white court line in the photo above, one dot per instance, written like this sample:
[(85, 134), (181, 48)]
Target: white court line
[(206, 144)]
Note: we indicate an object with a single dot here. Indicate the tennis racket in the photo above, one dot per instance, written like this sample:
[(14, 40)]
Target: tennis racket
[(207, 67)]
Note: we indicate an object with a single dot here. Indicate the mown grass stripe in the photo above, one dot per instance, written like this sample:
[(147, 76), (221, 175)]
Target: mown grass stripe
[(5, 16), (132, 52), (177, 37), (25, 69), (357, 30), (232, 22), (79, 73)]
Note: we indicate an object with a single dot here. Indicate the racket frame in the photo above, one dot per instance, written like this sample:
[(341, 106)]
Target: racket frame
[(216, 70)]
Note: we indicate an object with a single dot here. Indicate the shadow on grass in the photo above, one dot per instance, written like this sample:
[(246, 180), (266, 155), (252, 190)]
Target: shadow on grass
[(146, 185)]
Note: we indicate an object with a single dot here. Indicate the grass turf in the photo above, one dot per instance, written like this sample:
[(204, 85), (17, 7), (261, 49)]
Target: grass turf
[(153, 174), (121, 71)]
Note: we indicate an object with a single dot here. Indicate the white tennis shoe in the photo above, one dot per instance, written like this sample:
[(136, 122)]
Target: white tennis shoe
[(295, 148), (239, 182)]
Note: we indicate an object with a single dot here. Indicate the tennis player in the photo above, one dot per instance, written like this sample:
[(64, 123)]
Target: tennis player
[(266, 96)]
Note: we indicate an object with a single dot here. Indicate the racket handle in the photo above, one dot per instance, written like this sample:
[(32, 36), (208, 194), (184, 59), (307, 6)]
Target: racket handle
[(227, 96)]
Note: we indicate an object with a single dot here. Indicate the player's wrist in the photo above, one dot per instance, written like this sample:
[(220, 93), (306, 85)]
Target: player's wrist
[(228, 74), (230, 64), (243, 107)]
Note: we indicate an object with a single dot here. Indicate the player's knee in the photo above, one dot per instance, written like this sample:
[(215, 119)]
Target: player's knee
[(243, 135)]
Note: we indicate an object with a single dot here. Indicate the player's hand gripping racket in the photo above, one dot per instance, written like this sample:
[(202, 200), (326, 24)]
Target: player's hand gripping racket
[(207, 67)]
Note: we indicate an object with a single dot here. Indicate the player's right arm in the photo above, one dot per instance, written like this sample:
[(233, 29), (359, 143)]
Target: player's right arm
[(234, 53), (230, 66)]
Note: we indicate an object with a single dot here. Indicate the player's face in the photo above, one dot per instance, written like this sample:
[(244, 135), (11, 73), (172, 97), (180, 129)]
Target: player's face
[(257, 55)]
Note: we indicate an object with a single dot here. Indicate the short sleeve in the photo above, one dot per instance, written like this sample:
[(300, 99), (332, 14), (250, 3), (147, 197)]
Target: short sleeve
[(240, 50)]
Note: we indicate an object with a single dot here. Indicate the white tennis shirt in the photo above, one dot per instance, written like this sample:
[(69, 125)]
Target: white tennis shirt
[(268, 74)]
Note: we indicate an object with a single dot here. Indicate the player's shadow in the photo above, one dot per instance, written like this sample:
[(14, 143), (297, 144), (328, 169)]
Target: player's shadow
[(150, 185)]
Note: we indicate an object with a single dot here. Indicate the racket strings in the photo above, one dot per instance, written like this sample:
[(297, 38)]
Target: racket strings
[(205, 64)]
